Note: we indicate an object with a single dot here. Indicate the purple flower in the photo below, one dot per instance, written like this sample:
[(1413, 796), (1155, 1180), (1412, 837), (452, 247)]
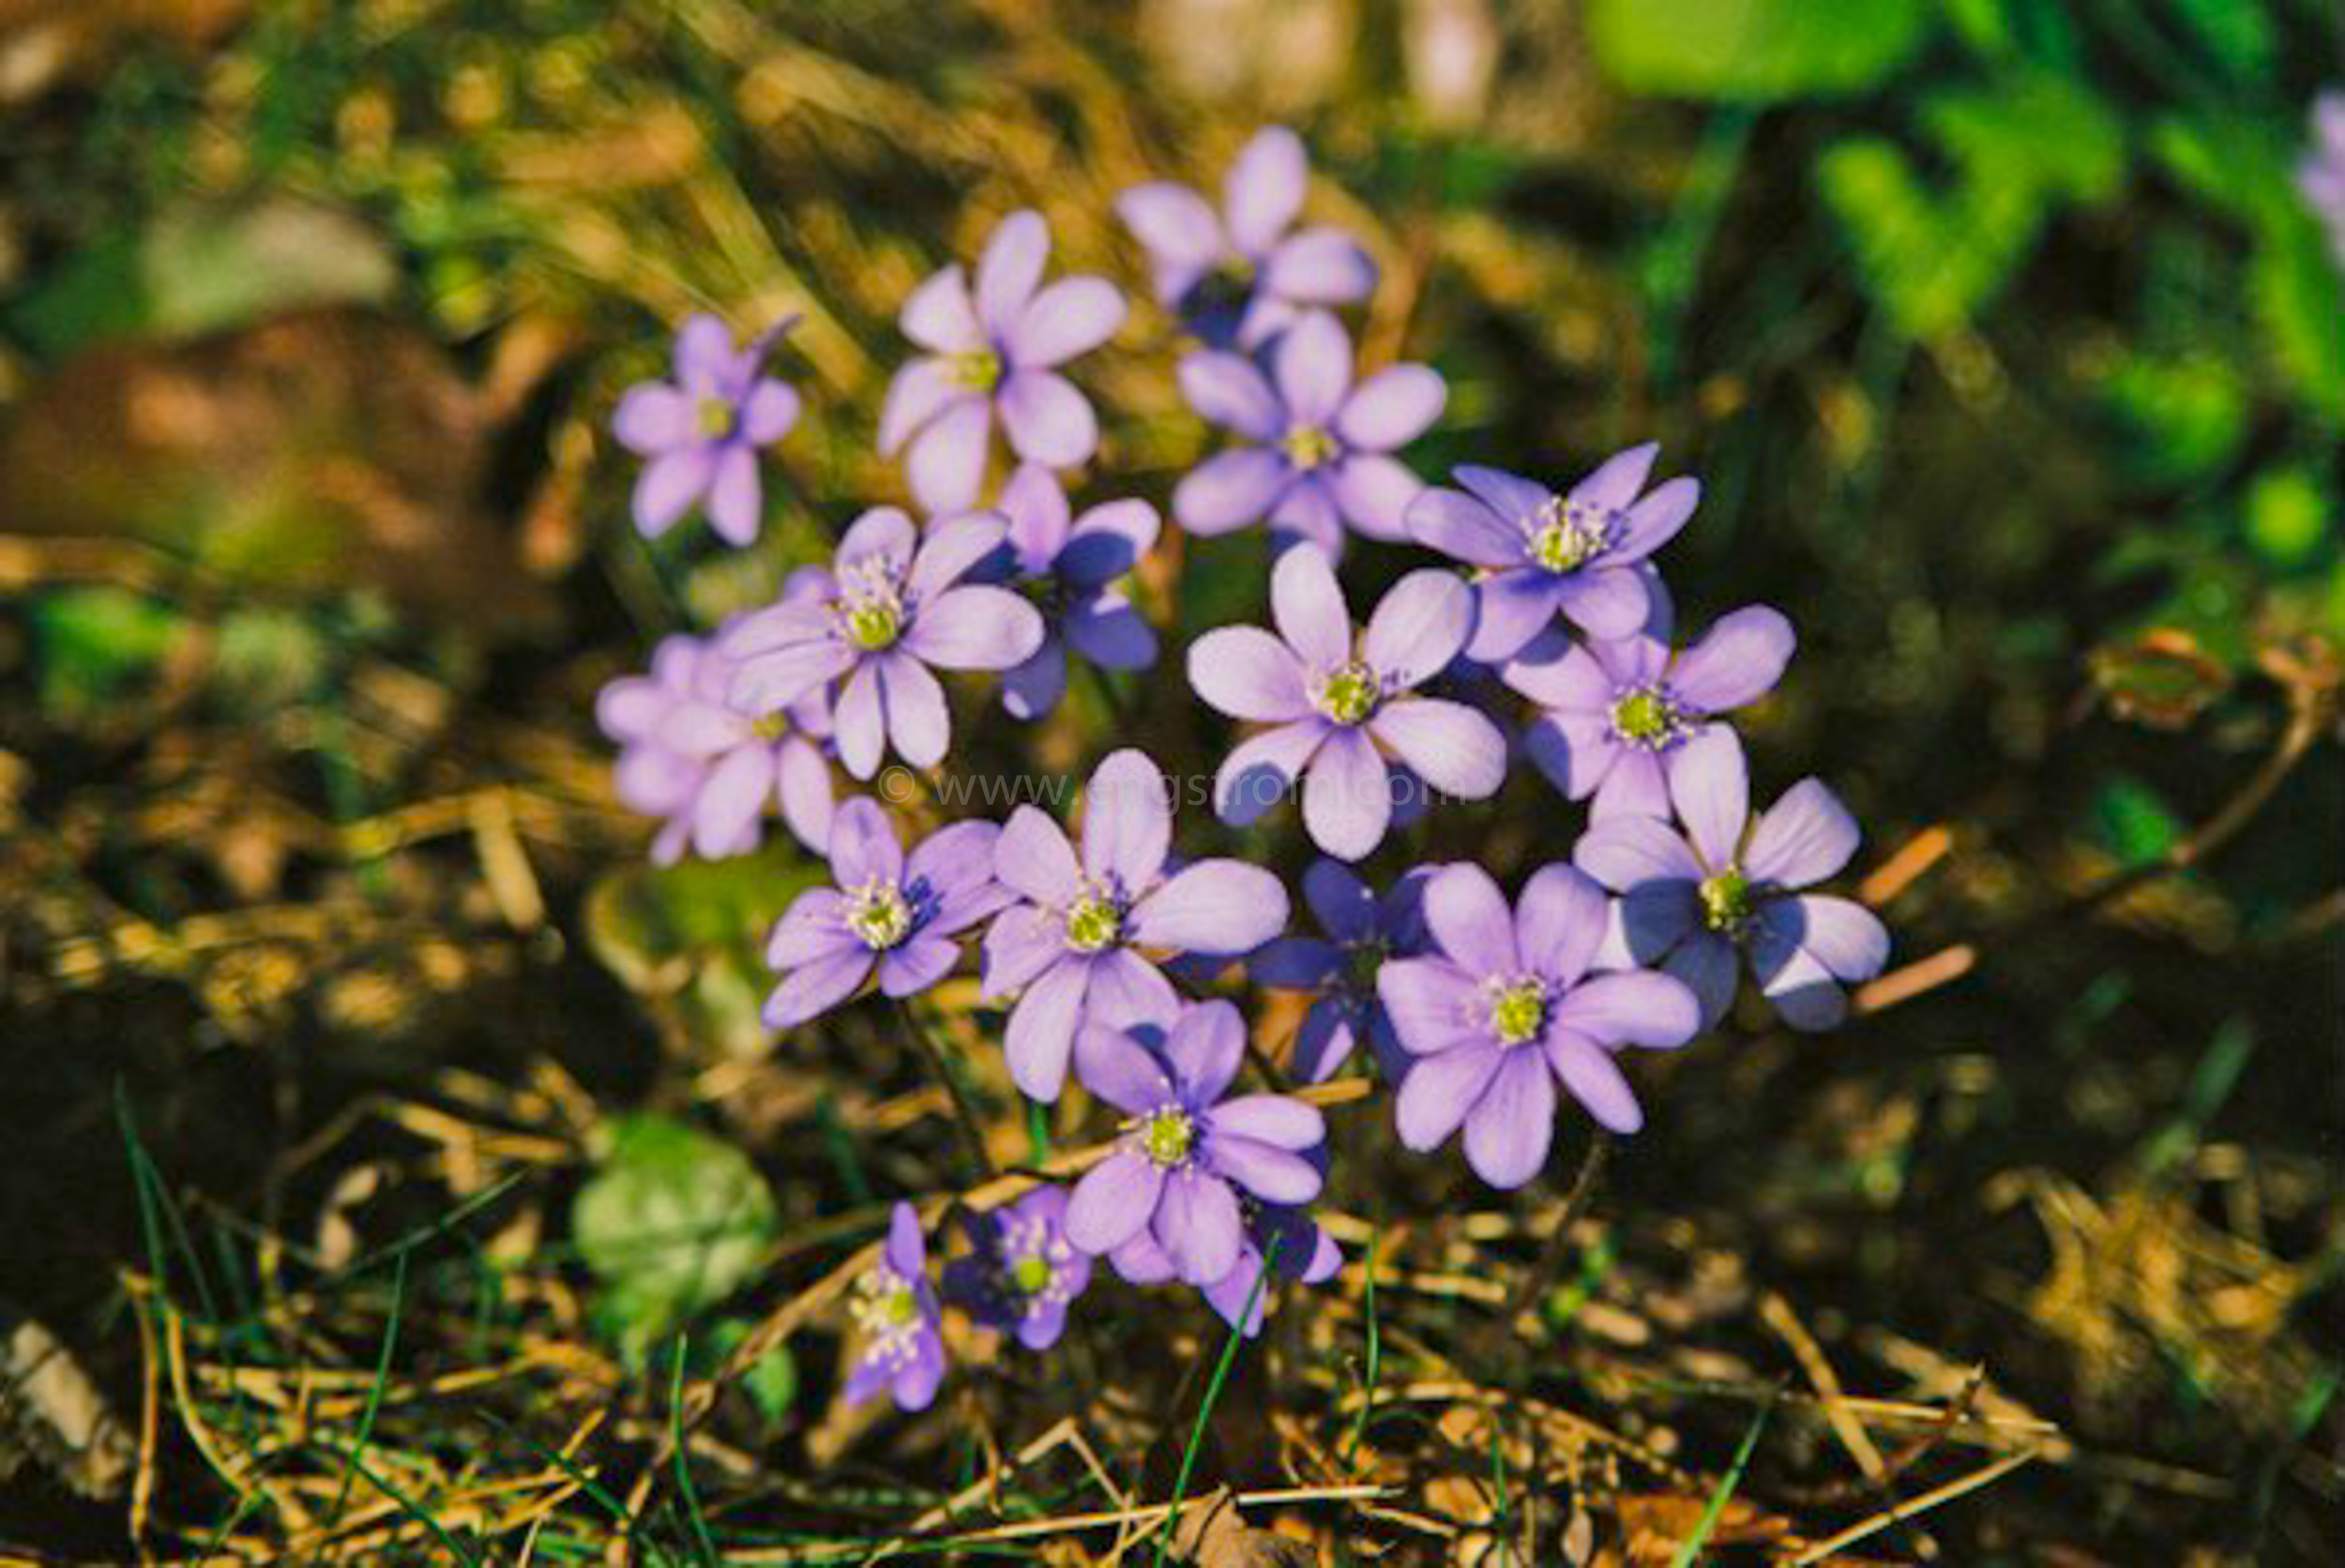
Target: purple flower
[(1237, 277), (1620, 711), (1187, 1154), (686, 755), (996, 352), (888, 911), (892, 605), (1337, 705), (1690, 901), (1507, 1005), (1326, 453), (1363, 932), (1301, 1252), (903, 1343), (1022, 1273), (2320, 175), (701, 431), (1072, 945), (1581, 552), (1068, 569)]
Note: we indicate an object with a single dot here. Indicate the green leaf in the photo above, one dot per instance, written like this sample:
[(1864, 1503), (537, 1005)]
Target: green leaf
[(2180, 418), (1754, 51), (2288, 515), (96, 644), (2299, 299), (673, 1221), (2132, 821)]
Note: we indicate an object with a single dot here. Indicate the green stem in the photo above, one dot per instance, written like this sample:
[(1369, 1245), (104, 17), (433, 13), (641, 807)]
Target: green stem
[(964, 1109)]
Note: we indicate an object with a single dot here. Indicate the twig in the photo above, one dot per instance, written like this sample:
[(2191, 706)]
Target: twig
[(1915, 1509), (1559, 1239)]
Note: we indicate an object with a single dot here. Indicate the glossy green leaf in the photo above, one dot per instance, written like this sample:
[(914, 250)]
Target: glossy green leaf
[(1754, 51)]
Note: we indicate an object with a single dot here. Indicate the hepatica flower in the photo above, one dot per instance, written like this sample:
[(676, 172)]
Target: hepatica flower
[(1339, 704), (1619, 711), (903, 1348), (1072, 947), (1187, 1154), (995, 351), (1237, 275), (888, 911), (1579, 552), (1022, 1273), (701, 430), (1070, 569), (686, 755), (1693, 900), (1505, 1005), (1339, 968), (2322, 173), (892, 605), (1324, 453)]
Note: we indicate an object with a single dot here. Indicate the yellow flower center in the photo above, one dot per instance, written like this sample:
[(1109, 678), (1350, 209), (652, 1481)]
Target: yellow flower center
[(1519, 1012), (1565, 534), (1349, 695), (1031, 1274), (879, 914), (1307, 446), (1645, 716), (1093, 922), (1726, 901), (1167, 1135), (714, 419), (979, 370)]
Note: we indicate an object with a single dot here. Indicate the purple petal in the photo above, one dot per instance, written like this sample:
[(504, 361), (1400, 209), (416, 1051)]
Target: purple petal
[(1311, 367), (1120, 1070), (1471, 922), (669, 484), (1128, 990), (815, 988), (1804, 994), (1072, 316), (1510, 1128), (1214, 906), (1307, 514), (919, 725), (1319, 267), (1510, 609), (1513, 498), (945, 466), (777, 626), (1032, 858), (1041, 1033), (802, 786), (768, 683), (1596, 1081), (732, 799), (1261, 773), (1440, 1091), (975, 627), (1452, 746), (1009, 269), (862, 721), (1205, 1049), (952, 547), (1325, 1042), (1707, 966), (1342, 904), (1392, 408), (1434, 1004), (1373, 492), (1711, 788), (809, 929), (706, 361), (955, 863), (1128, 821), (1278, 1120), (1114, 1201), (1604, 601), (1295, 963), (1264, 188), (1655, 520), (1229, 491), (1197, 1225), (1248, 673), (1273, 1175), (1037, 508), (1463, 526), (1418, 627), (863, 846), (1574, 750), (1226, 389), (1803, 838), (907, 1251), (938, 315), (1107, 542), (917, 964), (1033, 688), (1021, 942), (1846, 936), (653, 417), (1111, 634), (882, 531), (1614, 484), (1178, 227), (1347, 797), (1047, 420), (1738, 662), (1636, 785), (1559, 921), (1575, 683), (768, 412), (1307, 604), (1636, 1007)]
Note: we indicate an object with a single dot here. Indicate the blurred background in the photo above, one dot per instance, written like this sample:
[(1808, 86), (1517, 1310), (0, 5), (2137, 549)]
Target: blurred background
[(350, 1045)]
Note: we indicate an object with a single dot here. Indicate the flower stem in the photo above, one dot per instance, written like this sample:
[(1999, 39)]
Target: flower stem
[(964, 1109), (1559, 1239)]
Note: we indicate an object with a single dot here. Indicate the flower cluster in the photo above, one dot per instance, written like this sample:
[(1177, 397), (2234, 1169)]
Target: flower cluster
[(2320, 175), (1117, 964)]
